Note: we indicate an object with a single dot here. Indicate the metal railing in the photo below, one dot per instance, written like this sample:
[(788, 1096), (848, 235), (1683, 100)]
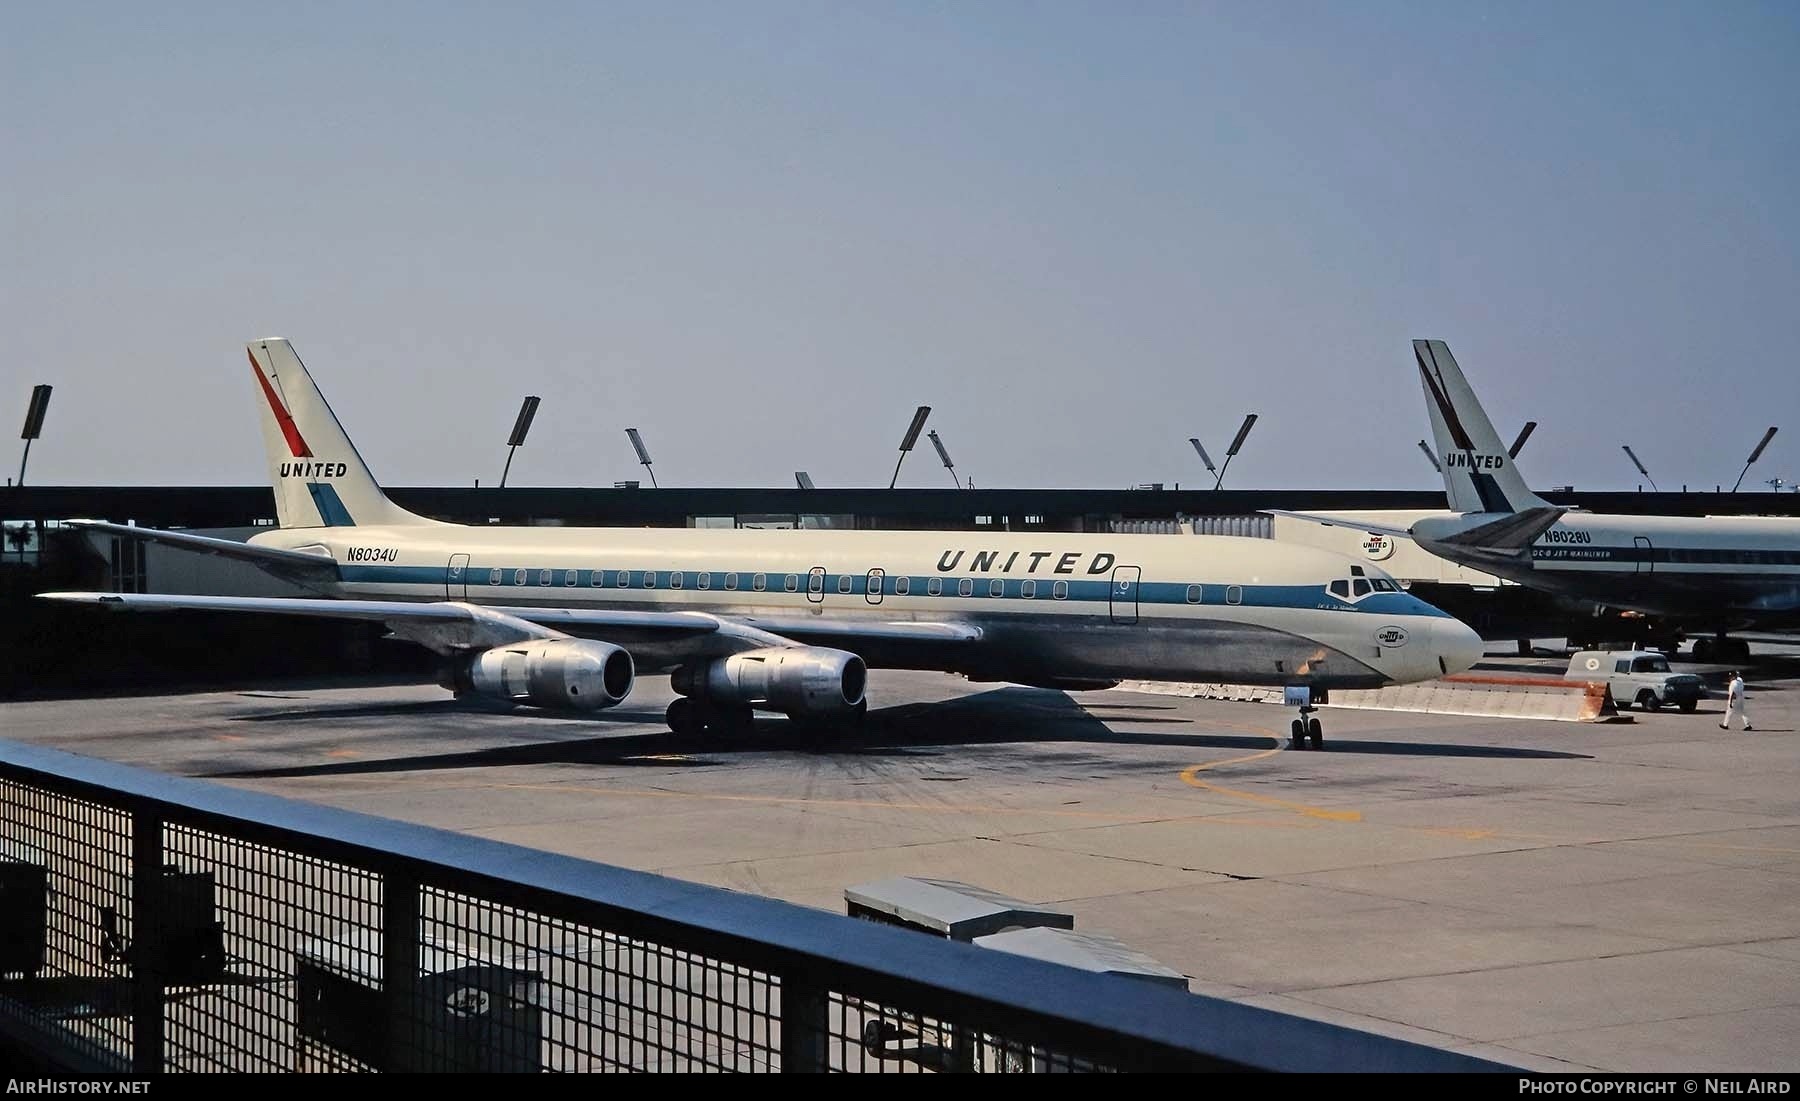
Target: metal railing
[(154, 924)]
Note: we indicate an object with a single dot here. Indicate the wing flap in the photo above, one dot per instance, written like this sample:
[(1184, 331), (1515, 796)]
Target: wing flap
[(803, 628)]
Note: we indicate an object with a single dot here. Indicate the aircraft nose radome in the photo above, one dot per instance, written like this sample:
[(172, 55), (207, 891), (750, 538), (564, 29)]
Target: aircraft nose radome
[(1457, 644)]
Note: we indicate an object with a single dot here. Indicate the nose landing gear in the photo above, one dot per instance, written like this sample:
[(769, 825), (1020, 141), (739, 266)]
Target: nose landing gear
[(1305, 728)]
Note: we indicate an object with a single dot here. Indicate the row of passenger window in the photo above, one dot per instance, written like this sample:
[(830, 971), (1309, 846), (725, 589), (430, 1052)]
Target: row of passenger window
[(815, 583)]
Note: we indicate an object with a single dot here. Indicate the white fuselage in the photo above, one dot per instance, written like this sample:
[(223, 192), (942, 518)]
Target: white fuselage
[(1052, 607), (1735, 569)]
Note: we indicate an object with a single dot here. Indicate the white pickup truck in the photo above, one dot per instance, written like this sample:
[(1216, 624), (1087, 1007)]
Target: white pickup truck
[(1642, 677)]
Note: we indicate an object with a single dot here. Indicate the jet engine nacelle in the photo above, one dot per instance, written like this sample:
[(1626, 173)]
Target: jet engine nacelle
[(799, 680), (566, 673)]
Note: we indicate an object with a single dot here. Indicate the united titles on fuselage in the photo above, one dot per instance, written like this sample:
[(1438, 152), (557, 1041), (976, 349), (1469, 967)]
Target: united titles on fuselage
[(991, 561)]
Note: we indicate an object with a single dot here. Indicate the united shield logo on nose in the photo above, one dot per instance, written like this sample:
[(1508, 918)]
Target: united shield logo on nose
[(1391, 636)]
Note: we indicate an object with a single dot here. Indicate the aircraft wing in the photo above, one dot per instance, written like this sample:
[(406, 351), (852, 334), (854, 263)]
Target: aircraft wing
[(1342, 522), (442, 626), (656, 639), (286, 564)]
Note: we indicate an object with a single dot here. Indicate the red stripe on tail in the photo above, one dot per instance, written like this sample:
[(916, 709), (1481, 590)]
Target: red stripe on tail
[(288, 428)]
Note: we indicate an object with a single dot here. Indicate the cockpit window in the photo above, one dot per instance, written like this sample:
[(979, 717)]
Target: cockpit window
[(1383, 585), (1650, 665), (1341, 589), (1360, 586)]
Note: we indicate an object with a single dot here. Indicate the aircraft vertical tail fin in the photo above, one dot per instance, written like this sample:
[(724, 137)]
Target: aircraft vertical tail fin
[(1479, 475), (319, 479)]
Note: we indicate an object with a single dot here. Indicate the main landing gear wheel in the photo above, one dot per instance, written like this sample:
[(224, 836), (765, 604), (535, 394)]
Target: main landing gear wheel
[(828, 729), (1721, 649), (685, 718), (691, 718)]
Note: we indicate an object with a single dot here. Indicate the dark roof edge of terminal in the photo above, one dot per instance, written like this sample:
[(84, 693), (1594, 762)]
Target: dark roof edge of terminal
[(200, 506)]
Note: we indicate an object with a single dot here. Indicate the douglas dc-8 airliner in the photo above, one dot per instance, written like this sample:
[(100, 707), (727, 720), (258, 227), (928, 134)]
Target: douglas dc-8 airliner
[(789, 621)]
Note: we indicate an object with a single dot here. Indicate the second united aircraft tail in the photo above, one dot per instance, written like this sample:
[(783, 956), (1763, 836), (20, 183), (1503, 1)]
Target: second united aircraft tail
[(1479, 475)]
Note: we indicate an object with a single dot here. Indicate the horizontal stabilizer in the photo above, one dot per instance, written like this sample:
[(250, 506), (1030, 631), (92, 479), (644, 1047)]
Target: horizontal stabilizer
[(1342, 522), (1508, 533), (291, 565)]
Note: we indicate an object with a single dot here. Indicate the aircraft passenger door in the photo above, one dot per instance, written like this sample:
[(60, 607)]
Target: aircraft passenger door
[(815, 585), (1125, 594), (1645, 556), (455, 583), (876, 577)]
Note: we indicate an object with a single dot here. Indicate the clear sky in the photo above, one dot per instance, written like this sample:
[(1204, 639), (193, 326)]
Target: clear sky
[(762, 232)]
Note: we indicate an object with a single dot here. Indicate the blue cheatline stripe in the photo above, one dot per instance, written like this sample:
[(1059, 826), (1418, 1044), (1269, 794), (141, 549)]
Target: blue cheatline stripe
[(1731, 556), (331, 507), (546, 582)]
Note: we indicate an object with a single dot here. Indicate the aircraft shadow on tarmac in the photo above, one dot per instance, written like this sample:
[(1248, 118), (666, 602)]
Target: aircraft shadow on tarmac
[(997, 717), (447, 706)]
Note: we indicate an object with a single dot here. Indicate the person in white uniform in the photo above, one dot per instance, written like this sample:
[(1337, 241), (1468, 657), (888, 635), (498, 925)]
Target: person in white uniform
[(1734, 703)]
